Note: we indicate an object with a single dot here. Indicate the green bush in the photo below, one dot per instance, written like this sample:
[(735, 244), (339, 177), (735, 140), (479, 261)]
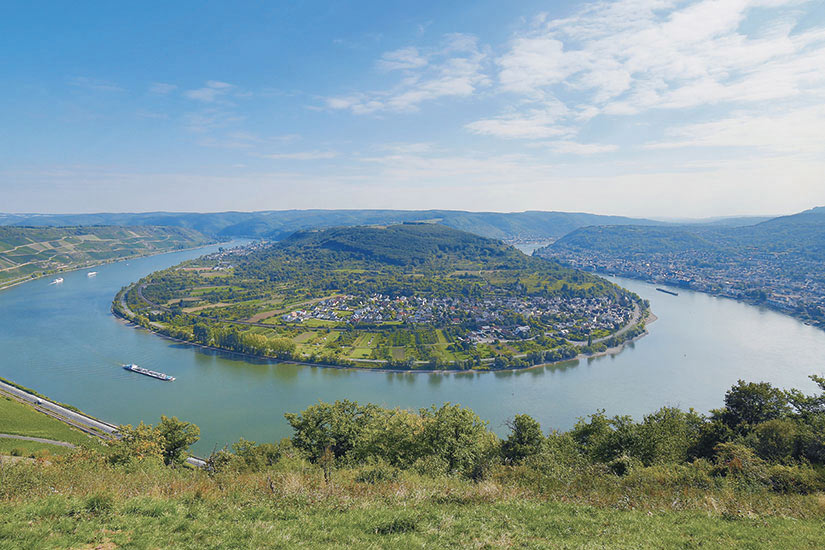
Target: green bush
[(795, 479)]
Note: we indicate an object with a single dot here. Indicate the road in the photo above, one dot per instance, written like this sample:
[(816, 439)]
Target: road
[(85, 423), (38, 440)]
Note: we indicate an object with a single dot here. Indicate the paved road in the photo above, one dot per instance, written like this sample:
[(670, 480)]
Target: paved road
[(88, 424), (38, 440)]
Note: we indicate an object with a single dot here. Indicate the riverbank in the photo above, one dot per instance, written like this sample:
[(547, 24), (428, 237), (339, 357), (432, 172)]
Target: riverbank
[(72, 269), (70, 416), (648, 317), (820, 324)]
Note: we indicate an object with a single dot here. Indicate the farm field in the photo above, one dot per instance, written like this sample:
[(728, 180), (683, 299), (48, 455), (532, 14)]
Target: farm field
[(411, 296)]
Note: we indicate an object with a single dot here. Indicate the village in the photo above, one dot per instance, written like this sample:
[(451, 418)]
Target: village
[(792, 285), (486, 319)]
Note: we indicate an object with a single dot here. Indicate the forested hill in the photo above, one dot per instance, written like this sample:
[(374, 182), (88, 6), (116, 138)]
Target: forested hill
[(802, 234), (279, 224), (779, 262), (27, 252), (405, 244)]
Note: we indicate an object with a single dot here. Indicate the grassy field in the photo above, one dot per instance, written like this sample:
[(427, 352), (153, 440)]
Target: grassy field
[(17, 447), (20, 419), (78, 504)]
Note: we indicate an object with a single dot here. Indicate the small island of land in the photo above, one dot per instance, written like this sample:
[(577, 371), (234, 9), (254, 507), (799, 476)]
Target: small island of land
[(409, 296)]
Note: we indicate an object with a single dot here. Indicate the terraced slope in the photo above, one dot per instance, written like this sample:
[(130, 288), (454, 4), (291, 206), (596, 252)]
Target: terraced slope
[(28, 252)]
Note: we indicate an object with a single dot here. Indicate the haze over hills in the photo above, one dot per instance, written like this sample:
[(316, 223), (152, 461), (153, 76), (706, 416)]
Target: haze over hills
[(778, 262), (530, 225)]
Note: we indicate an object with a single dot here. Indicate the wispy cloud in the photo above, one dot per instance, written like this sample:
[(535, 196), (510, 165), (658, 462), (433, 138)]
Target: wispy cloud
[(300, 155), (532, 124), (405, 58), (162, 88), (576, 148), (95, 84), (794, 132), (212, 91), (455, 69), (631, 57)]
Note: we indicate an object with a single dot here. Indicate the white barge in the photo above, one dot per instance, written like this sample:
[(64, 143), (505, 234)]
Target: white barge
[(147, 372)]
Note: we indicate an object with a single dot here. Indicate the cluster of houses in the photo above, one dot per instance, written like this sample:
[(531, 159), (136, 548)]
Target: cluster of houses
[(497, 316), (786, 284)]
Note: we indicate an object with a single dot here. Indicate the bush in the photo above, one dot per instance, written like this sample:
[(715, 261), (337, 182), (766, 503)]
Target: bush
[(741, 463), (775, 440), (378, 473), (795, 479)]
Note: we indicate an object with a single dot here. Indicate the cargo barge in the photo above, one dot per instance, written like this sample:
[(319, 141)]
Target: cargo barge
[(147, 372), (666, 291)]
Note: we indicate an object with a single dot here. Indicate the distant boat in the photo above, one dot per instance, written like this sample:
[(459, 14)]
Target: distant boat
[(91, 274), (147, 372), (666, 291), (57, 281)]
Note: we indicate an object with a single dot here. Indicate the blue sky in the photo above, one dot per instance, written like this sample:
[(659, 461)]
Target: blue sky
[(636, 107)]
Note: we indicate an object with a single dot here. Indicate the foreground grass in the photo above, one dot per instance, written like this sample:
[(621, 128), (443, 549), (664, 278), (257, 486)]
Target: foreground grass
[(18, 418), (81, 502), (153, 522)]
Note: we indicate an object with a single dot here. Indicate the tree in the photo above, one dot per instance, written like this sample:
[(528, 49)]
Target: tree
[(175, 437), (458, 436), (525, 439), (335, 426), (138, 443), (752, 403)]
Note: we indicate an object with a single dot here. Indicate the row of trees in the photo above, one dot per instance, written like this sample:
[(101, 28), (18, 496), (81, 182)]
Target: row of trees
[(763, 437)]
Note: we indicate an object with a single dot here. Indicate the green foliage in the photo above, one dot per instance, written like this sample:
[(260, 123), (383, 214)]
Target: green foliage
[(167, 441), (752, 403), (525, 440)]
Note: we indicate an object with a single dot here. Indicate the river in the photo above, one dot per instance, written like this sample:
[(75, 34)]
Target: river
[(62, 341)]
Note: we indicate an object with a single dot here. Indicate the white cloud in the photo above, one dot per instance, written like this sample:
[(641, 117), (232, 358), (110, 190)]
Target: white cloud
[(405, 58), (575, 148), (630, 57), (535, 124), (212, 91), (453, 70), (798, 131)]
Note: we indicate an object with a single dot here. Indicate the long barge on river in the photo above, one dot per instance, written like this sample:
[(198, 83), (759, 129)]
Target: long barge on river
[(147, 372), (666, 291)]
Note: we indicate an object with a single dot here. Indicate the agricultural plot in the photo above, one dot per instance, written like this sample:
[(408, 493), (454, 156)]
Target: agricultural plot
[(403, 296), (37, 251)]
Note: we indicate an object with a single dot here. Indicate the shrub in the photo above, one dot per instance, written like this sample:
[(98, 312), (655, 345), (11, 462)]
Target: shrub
[(525, 440), (741, 463), (378, 473), (775, 440), (795, 479)]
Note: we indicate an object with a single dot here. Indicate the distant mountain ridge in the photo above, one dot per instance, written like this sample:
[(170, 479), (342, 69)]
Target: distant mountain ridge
[(279, 224)]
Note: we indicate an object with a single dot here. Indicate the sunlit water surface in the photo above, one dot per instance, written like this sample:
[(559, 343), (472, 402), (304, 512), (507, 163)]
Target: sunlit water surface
[(63, 341)]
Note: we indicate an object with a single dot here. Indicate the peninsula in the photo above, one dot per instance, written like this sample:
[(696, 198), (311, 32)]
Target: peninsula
[(408, 296)]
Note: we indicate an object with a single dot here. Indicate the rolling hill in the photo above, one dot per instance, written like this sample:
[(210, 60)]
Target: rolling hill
[(28, 252)]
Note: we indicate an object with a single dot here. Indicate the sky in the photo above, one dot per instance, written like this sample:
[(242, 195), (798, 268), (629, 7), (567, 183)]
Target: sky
[(651, 108)]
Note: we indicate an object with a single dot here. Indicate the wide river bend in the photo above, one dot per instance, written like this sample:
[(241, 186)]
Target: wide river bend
[(63, 341)]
